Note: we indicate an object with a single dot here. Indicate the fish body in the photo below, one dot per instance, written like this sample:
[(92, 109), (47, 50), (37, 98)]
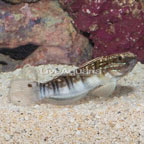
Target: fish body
[(71, 88), (98, 76)]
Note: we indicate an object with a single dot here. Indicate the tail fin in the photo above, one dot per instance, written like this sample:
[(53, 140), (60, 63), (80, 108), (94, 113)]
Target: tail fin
[(23, 92)]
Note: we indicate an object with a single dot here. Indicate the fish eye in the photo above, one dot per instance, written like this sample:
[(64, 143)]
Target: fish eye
[(120, 58), (29, 85)]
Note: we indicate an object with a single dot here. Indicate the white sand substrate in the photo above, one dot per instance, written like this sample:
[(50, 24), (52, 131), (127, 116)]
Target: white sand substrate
[(118, 119)]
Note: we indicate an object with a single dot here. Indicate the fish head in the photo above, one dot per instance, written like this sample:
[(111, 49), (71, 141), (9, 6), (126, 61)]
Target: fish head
[(121, 64)]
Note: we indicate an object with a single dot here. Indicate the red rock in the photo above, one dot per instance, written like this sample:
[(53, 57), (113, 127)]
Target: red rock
[(114, 26)]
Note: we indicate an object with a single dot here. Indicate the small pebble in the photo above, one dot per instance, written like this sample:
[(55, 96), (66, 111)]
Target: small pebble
[(7, 137)]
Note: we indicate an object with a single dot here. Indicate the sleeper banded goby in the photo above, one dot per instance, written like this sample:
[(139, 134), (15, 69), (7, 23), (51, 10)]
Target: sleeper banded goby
[(98, 76)]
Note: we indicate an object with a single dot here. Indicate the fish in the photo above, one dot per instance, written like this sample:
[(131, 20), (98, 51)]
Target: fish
[(98, 77)]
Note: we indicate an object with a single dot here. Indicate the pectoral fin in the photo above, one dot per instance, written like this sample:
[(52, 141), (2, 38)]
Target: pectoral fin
[(104, 90)]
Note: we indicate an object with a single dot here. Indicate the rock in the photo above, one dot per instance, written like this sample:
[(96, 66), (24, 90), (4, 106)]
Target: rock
[(7, 63), (44, 24), (20, 1), (114, 26)]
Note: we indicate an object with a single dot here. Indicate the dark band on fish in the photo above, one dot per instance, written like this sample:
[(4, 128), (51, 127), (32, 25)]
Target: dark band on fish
[(57, 86), (53, 86), (67, 81)]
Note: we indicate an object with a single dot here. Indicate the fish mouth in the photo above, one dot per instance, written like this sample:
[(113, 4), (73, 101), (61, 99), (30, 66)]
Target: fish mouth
[(132, 64), (126, 69)]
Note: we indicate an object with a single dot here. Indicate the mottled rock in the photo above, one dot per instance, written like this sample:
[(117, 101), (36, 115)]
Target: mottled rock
[(7, 63), (44, 24), (20, 1)]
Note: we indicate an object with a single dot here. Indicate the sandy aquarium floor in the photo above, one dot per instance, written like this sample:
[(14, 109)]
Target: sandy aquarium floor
[(118, 119)]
